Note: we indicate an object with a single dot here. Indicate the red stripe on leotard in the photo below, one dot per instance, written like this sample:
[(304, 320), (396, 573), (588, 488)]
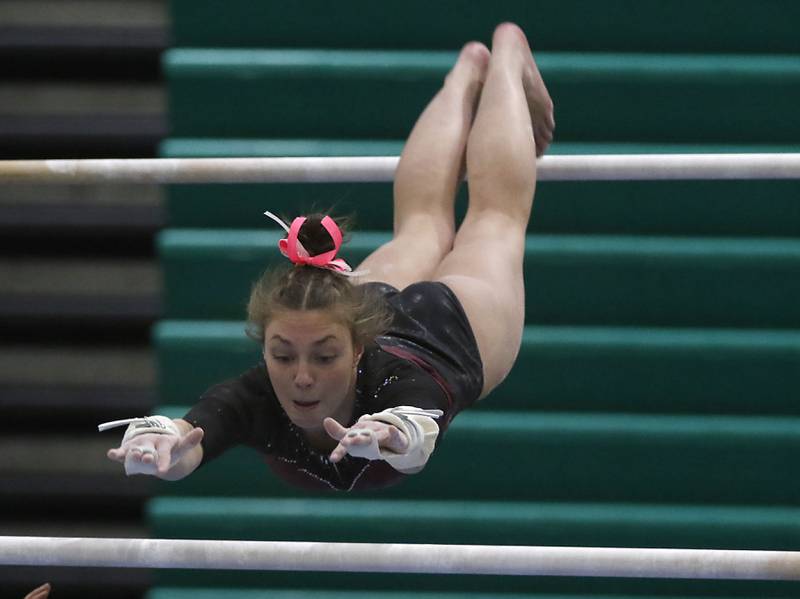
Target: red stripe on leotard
[(406, 355)]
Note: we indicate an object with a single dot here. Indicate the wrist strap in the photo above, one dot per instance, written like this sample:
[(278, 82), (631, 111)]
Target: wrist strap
[(139, 426)]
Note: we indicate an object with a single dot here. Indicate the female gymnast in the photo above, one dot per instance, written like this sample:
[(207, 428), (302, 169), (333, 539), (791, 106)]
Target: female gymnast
[(363, 371)]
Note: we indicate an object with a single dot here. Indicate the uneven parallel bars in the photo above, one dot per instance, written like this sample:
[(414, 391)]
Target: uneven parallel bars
[(382, 168), (403, 558)]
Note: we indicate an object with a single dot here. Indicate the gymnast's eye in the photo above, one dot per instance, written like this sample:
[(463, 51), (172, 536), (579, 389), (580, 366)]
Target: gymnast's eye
[(326, 359), (282, 359)]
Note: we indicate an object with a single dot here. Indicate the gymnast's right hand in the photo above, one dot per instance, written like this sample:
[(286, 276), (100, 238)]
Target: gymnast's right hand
[(153, 445)]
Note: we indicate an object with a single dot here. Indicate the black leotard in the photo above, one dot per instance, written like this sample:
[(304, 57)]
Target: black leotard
[(427, 359)]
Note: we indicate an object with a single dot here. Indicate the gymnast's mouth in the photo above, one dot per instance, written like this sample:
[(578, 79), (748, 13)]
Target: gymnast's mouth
[(305, 405)]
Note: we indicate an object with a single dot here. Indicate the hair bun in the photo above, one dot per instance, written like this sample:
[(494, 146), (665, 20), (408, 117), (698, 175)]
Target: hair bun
[(314, 237)]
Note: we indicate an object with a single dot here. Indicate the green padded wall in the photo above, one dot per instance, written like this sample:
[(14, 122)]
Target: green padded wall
[(594, 369), (654, 398), (588, 457), (573, 25), (577, 280), (354, 94), (200, 593)]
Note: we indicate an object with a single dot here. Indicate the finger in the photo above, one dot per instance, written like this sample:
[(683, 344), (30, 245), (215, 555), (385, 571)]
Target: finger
[(334, 429), (396, 440), (164, 461), (360, 436), (338, 453), (118, 455), (192, 438), (372, 426), (39, 592)]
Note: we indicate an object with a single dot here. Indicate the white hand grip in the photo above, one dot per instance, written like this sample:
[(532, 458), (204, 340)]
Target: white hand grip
[(371, 451), (133, 466)]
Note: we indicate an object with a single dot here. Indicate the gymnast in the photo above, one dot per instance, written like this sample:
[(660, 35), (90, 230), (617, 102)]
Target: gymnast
[(364, 370)]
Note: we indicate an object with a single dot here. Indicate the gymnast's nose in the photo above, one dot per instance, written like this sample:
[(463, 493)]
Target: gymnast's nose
[(302, 377)]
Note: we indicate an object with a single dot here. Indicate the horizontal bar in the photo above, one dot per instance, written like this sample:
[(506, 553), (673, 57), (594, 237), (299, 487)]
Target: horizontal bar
[(382, 168), (402, 558)]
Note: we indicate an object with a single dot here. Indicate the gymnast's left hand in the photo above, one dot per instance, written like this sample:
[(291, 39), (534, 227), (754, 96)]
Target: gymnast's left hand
[(388, 437)]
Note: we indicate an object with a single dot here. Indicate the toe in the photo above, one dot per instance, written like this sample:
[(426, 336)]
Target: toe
[(477, 52), (472, 64), (509, 32)]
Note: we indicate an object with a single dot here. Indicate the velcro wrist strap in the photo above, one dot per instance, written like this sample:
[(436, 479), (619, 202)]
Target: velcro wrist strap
[(160, 425)]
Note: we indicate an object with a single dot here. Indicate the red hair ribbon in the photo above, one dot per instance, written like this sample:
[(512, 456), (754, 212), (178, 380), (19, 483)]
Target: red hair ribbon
[(294, 250)]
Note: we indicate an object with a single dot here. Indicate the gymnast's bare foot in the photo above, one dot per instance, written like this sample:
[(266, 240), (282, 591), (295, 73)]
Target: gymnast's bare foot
[(539, 101), (471, 66)]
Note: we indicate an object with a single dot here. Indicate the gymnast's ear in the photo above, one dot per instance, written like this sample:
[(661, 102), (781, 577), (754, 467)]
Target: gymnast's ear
[(358, 351)]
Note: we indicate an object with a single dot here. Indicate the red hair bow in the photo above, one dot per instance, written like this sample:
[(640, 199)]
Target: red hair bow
[(294, 250)]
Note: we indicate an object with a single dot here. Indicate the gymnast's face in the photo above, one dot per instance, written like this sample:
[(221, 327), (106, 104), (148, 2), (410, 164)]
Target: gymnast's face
[(312, 366)]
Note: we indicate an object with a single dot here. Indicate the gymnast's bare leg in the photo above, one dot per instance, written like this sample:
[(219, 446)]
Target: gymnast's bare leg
[(484, 269), (428, 176)]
